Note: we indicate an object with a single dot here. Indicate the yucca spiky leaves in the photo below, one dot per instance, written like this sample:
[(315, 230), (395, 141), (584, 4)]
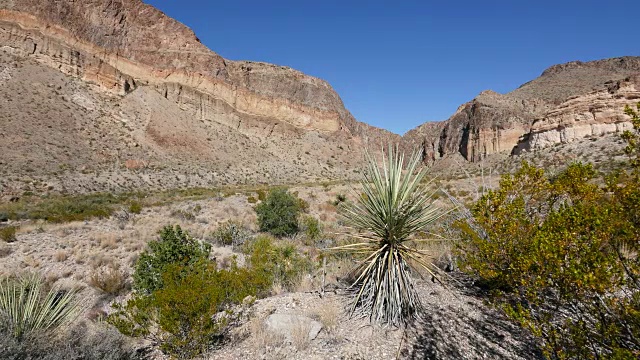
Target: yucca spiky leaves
[(26, 308), (394, 206)]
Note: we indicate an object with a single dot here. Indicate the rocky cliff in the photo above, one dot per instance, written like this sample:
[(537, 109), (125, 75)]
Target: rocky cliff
[(181, 105), (122, 44), (595, 113), (567, 102)]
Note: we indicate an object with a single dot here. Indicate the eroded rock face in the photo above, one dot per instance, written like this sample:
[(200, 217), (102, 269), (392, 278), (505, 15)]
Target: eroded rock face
[(121, 44), (120, 96), (489, 124), (566, 102), (593, 114)]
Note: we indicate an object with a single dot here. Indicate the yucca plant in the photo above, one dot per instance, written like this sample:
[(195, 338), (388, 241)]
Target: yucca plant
[(27, 308), (395, 206)]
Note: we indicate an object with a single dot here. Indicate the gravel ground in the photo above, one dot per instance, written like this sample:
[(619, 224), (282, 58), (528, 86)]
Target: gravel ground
[(454, 325)]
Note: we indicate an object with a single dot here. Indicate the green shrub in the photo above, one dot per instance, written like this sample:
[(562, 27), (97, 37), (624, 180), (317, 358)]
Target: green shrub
[(135, 207), (560, 256), (182, 313), (276, 263), (231, 233), (312, 229), (8, 234), (262, 195), (175, 246), (27, 308), (192, 309), (278, 214)]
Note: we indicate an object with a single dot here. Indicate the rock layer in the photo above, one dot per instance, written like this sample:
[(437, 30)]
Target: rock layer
[(568, 101), (112, 95), (593, 114), (119, 45)]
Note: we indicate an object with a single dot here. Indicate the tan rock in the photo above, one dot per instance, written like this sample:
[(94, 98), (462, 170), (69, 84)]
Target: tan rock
[(567, 102)]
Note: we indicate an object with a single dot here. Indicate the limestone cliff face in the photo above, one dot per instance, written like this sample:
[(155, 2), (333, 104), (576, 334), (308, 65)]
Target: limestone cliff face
[(489, 124), (566, 102), (593, 114), (119, 45)]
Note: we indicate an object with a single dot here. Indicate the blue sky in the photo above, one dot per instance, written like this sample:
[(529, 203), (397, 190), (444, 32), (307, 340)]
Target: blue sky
[(397, 64)]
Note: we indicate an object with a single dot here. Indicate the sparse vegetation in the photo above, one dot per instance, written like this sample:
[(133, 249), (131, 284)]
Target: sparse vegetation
[(312, 229), (105, 344), (135, 207), (278, 263), (62, 208), (111, 280)]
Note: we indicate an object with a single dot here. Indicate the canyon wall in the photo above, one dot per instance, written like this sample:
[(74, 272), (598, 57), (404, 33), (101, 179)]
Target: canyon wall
[(567, 102), (593, 114), (122, 44)]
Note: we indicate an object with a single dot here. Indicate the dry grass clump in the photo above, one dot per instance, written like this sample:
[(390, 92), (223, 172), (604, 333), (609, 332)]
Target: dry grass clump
[(60, 256), (300, 335), (5, 251), (328, 313), (261, 336), (79, 343), (8, 234), (110, 280), (98, 259), (109, 241)]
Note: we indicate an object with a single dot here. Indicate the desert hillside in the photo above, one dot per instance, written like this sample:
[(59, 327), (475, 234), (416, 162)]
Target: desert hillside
[(104, 95)]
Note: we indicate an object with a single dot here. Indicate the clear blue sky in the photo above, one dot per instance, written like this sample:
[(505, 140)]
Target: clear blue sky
[(397, 64)]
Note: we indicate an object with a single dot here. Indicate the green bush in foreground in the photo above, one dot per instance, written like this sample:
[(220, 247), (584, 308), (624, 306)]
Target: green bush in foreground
[(184, 314), (278, 213), (183, 301), (560, 256), (175, 246)]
